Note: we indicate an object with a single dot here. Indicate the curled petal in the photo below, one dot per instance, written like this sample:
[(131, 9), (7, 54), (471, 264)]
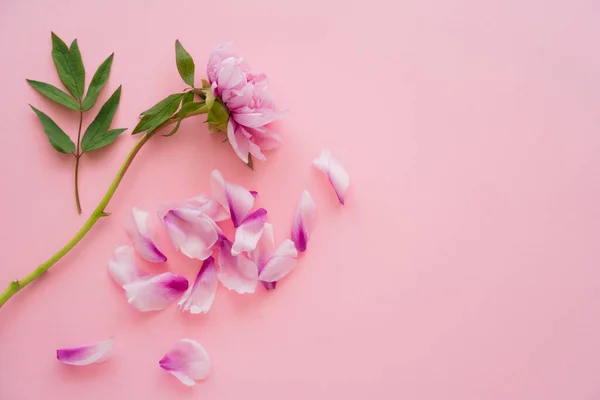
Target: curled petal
[(236, 272), (155, 292), (187, 361), (264, 248), (304, 221), (86, 355), (122, 266), (200, 296), (234, 198), (139, 232), (281, 262), (209, 206), (249, 231), (335, 172), (191, 232)]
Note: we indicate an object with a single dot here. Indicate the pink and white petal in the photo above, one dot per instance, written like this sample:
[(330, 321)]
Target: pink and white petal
[(85, 355), (239, 142), (200, 296), (304, 221), (155, 292), (269, 285), (249, 231), (210, 207), (122, 266), (265, 247), (138, 229), (236, 272), (188, 361), (281, 262), (265, 138), (236, 199), (335, 172), (191, 232)]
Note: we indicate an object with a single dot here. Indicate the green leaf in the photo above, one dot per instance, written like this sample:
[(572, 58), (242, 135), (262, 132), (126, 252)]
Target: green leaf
[(58, 138), (218, 113), (69, 66), (169, 100), (54, 94), (103, 140), (185, 64), (158, 114), (187, 98), (97, 83), (99, 126), (187, 109)]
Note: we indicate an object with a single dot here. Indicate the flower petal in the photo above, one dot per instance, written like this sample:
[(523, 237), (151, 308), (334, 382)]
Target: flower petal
[(139, 232), (249, 231), (269, 285), (335, 172), (264, 248), (122, 266), (234, 198), (86, 355), (280, 263), (304, 221), (191, 232), (187, 361), (238, 141), (209, 206), (236, 272), (200, 296), (155, 292)]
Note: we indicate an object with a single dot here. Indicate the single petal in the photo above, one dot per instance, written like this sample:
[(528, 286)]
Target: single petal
[(139, 232), (191, 232), (304, 221), (122, 266), (155, 292), (335, 172), (200, 296), (234, 198), (239, 142), (236, 272), (281, 262), (86, 355), (264, 248), (187, 361), (209, 206), (249, 231)]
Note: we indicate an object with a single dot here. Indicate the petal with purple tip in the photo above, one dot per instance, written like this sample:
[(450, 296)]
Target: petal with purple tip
[(200, 296), (304, 221), (249, 232), (122, 266), (85, 355), (155, 292), (335, 172), (139, 232), (191, 231), (188, 361), (234, 198), (236, 272), (280, 263)]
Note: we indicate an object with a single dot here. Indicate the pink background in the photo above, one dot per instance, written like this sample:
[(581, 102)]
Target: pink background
[(464, 266)]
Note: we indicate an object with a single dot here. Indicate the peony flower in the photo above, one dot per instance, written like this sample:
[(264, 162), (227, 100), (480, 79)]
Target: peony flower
[(248, 100)]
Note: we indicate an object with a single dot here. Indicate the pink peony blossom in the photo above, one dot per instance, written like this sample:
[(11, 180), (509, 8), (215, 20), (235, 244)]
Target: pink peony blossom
[(249, 101)]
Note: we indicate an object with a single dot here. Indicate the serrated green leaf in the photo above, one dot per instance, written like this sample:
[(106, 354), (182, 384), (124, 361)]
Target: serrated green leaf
[(169, 100), (69, 66), (185, 64), (100, 124), (57, 137), (103, 140), (97, 83), (218, 113), (54, 94)]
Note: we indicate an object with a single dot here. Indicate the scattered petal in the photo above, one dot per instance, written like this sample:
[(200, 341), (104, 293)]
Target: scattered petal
[(86, 355), (335, 172), (200, 296), (139, 232), (236, 272), (264, 248), (304, 221), (122, 266), (191, 231), (155, 292), (281, 262), (187, 361), (249, 231), (210, 207), (234, 198)]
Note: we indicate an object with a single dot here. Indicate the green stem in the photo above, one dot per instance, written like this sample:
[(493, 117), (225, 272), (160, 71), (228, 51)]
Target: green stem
[(15, 286), (77, 157)]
